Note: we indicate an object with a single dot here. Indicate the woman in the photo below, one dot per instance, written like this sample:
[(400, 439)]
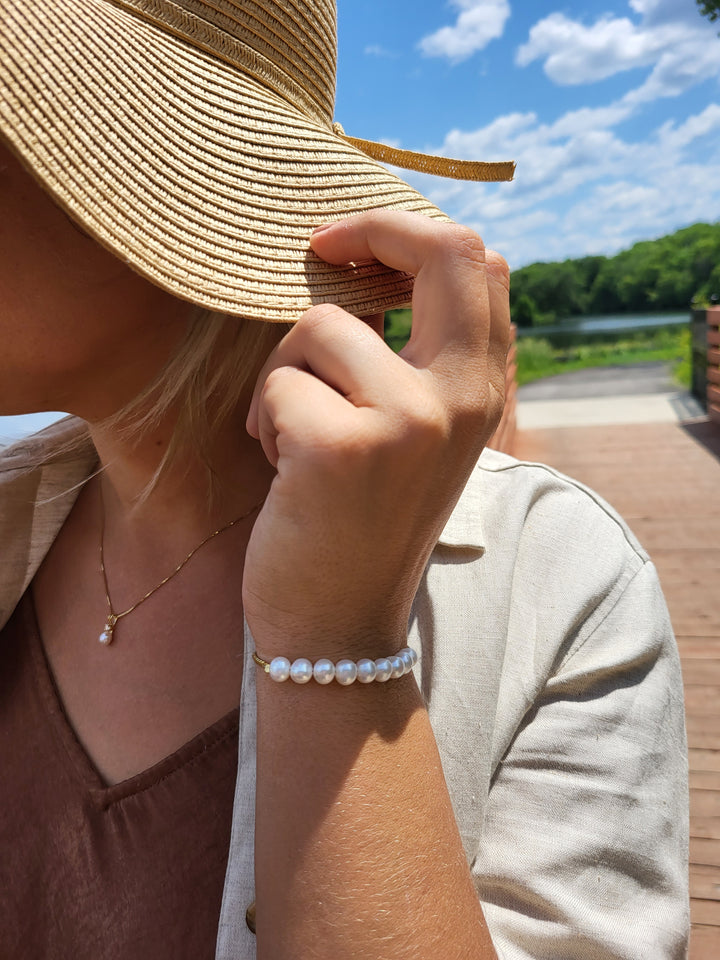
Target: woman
[(239, 496)]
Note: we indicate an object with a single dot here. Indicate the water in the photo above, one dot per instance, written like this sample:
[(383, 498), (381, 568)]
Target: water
[(616, 323)]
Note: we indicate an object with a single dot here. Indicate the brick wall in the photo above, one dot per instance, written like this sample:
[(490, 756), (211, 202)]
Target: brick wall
[(504, 437)]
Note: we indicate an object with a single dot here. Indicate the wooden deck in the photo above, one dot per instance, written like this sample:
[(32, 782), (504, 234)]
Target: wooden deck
[(665, 480)]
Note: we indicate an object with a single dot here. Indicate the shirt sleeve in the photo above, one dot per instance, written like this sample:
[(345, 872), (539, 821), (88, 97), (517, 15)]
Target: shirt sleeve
[(584, 845)]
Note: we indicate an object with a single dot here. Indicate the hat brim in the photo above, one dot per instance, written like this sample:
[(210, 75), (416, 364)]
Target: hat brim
[(200, 178)]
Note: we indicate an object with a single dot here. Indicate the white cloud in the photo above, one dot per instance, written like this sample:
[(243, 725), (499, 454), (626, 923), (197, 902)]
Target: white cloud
[(375, 50), (575, 53), (581, 187), (478, 23), (659, 11), (671, 37), (682, 66), (672, 137)]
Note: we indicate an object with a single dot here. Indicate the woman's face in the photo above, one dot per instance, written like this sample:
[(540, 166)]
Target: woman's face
[(79, 331)]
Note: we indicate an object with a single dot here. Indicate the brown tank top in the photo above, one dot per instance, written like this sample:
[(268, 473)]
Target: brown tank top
[(95, 872)]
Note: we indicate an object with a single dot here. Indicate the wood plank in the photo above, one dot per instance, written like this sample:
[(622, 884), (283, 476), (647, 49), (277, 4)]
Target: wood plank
[(655, 532), (684, 622), (705, 827), (704, 851), (704, 779), (701, 648), (703, 739), (700, 724), (702, 700), (695, 560), (704, 882), (596, 447), (704, 760), (705, 803), (705, 912), (698, 672), (704, 943)]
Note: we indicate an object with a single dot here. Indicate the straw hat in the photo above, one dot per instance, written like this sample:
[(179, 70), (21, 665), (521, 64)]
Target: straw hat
[(195, 139)]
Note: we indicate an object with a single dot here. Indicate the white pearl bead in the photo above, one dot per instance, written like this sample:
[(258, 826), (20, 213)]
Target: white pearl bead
[(383, 669), (398, 667), (346, 672), (366, 671), (105, 637), (279, 669), (406, 655), (324, 671), (301, 671)]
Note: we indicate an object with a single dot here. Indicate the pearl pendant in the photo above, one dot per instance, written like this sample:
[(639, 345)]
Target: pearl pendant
[(106, 637)]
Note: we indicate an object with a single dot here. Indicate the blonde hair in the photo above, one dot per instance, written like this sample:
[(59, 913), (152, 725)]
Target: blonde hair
[(202, 383)]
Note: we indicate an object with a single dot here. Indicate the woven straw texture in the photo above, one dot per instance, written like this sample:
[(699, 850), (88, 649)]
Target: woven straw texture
[(195, 140)]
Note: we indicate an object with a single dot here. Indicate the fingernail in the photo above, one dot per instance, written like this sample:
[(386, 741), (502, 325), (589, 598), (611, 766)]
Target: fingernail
[(322, 228)]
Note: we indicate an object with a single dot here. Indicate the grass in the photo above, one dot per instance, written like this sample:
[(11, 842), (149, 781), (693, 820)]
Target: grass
[(538, 358)]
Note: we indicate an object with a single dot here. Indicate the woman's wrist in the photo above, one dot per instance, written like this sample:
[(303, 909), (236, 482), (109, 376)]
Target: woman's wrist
[(351, 638)]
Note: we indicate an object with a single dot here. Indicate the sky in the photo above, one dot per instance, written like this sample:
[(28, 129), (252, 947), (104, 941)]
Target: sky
[(611, 109)]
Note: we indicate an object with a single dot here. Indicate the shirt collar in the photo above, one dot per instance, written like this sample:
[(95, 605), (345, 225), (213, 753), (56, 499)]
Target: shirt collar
[(463, 529)]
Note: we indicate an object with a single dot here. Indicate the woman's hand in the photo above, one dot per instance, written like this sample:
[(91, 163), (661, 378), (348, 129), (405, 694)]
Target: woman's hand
[(372, 449)]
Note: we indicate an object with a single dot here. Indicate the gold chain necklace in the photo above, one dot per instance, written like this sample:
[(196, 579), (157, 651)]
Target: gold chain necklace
[(106, 637)]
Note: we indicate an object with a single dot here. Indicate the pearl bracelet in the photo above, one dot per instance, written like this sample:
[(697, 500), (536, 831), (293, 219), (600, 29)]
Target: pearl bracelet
[(344, 671)]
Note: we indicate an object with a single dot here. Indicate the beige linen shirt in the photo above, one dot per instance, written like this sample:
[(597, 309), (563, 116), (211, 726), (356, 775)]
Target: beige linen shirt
[(553, 685)]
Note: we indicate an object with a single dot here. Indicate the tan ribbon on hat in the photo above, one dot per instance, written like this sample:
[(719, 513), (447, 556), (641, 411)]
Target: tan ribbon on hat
[(429, 163)]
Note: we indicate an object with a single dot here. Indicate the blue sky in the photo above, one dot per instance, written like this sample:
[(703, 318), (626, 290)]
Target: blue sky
[(611, 109)]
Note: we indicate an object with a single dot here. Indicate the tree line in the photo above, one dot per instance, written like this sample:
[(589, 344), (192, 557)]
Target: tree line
[(654, 275)]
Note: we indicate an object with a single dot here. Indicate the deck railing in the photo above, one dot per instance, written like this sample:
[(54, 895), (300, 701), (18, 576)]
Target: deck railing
[(712, 319)]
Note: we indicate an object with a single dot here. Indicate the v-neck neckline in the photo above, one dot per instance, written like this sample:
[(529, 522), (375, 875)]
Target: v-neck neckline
[(101, 793)]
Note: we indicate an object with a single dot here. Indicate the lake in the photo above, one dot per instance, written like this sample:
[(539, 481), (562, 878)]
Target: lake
[(615, 323)]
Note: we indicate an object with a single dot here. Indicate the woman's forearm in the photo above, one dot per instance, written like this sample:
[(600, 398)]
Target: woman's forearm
[(357, 850)]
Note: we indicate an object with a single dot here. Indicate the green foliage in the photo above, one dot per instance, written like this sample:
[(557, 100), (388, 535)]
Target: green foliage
[(709, 8), (552, 292), (651, 276), (537, 358), (397, 328), (525, 310)]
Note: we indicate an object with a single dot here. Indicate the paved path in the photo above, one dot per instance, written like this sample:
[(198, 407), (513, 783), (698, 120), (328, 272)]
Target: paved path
[(664, 478), (625, 380), (638, 393)]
